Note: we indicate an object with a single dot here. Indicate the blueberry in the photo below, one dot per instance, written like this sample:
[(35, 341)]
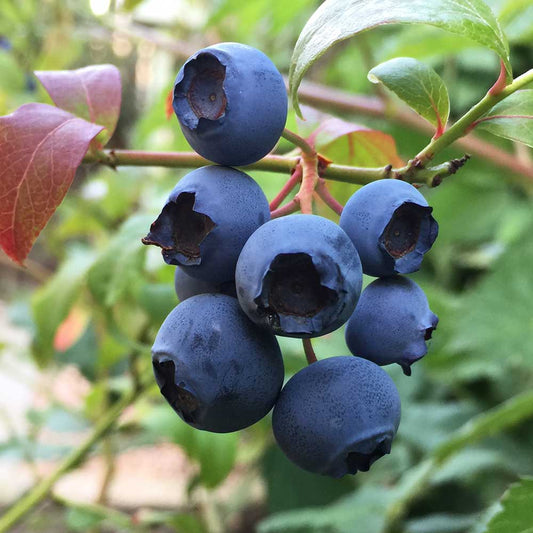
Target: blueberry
[(391, 225), (187, 286), (218, 371), (231, 103), (337, 416), (299, 275), (206, 221), (391, 323)]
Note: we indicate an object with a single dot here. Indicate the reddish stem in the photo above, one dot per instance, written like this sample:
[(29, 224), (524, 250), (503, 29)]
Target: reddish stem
[(323, 192), (501, 82), (287, 209), (309, 352), (296, 176), (309, 181)]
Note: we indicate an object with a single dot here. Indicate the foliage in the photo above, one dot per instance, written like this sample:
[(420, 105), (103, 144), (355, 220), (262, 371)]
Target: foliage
[(465, 434)]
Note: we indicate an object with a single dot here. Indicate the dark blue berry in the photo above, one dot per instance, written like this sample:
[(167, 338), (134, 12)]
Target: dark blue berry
[(218, 371), (337, 416), (206, 221), (391, 323), (299, 275), (391, 225), (187, 286), (231, 103)]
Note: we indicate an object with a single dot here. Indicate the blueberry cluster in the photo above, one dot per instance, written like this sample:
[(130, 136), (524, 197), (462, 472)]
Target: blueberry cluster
[(242, 279)]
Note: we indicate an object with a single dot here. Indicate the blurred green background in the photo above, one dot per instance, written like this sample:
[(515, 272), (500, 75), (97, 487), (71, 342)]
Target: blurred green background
[(76, 324)]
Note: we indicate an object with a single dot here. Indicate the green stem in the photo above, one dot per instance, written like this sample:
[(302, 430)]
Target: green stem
[(464, 124), (507, 415), (140, 158), (298, 141), (40, 491)]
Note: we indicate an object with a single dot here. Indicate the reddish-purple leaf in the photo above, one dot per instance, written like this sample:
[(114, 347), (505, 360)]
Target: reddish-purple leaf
[(40, 148), (347, 143), (92, 93)]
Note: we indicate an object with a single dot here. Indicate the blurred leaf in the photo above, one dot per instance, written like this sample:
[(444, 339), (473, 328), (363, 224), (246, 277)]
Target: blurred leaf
[(433, 420), (215, 452), (92, 93), (290, 487), (52, 302), (512, 118), (496, 322), (516, 514), (41, 148), (157, 299), (79, 519), (418, 85), (119, 266), (441, 523), (337, 20), (471, 462), (496, 420), (363, 509)]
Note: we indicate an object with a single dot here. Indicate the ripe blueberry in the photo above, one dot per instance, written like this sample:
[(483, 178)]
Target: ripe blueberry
[(187, 286), (218, 371), (231, 103), (337, 416), (207, 218), (300, 275), (391, 323), (391, 225)]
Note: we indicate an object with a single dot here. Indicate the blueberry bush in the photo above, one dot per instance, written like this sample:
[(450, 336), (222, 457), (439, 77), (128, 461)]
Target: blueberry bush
[(336, 205)]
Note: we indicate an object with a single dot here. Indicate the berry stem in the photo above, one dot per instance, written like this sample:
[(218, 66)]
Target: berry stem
[(309, 164), (322, 192), (309, 351), (298, 141), (295, 178), (287, 209)]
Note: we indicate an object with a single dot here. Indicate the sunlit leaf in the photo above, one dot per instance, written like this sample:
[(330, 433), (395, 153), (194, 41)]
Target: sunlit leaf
[(347, 143), (41, 147), (92, 93), (516, 512), (119, 266), (53, 302), (512, 118), (337, 20), (418, 85)]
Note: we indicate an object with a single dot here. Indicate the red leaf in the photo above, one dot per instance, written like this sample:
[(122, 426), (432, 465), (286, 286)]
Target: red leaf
[(40, 148), (92, 93)]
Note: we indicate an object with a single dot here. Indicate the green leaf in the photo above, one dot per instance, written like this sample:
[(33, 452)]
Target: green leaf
[(290, 487), (496, 324), (79, 519), (512, 118), (52, 303), (119, 266), (512, 412), (365, 507), (337, 20), (216, 453), (516, 513), (441, 523), (418, 85)]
